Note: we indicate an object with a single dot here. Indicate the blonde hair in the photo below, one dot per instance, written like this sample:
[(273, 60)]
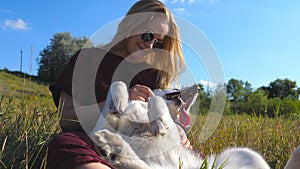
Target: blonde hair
[(135, 17)]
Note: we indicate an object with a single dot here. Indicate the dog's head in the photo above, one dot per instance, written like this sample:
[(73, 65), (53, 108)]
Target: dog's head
[(179, 102)]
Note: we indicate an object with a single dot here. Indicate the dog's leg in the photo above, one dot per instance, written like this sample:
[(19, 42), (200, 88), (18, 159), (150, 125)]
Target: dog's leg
[(117, 152), (159, 116), (119, 94), (116, 101), (294, 161)]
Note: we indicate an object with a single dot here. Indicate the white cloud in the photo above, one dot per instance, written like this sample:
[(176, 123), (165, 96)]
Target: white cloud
[(17, 24), (209, 1), (191, 1), (179, 9), (209, 84)]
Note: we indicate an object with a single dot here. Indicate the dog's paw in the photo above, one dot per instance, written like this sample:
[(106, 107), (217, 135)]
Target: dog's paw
[(116, 151), (109, 145), (119, 95), (158, 126), (159, 116)]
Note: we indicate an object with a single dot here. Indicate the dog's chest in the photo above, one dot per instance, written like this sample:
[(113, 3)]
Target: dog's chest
[(137, 112)]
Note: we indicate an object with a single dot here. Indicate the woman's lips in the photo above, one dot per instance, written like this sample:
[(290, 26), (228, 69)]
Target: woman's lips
[(140, 47)]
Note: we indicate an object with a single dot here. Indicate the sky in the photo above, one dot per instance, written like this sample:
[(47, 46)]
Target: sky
[(255, 40)]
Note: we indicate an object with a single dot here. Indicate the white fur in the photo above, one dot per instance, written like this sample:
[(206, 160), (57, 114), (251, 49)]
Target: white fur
[(145, 136), (294, 161)]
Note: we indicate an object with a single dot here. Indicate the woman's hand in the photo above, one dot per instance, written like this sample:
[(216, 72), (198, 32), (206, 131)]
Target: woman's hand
[(140, 92), (184, 141)]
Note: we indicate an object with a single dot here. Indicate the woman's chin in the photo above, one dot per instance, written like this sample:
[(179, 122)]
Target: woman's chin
[(140, 56)]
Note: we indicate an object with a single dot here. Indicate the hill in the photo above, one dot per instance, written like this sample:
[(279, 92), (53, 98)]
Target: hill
[(22, 83), (28, 119)]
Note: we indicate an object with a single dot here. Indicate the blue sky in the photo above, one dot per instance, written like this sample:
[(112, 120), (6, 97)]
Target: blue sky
[(256, 41)]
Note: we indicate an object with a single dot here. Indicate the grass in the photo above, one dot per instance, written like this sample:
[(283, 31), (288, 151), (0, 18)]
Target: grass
[(273, 138), (28, 120)]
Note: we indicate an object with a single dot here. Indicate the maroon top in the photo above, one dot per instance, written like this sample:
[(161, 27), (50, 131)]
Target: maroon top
[(90, 72), (108, 68)]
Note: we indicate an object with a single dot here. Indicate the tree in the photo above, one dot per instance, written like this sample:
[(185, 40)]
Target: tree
[(283, 88), (57, 54), (205, 99), (257, 102), (238, 90)]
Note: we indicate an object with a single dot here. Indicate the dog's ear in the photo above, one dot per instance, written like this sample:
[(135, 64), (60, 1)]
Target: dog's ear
[(189, 92), (119, 96)]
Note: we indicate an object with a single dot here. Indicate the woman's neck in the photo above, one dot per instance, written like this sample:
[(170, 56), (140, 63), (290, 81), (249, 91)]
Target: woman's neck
[(119, 50)]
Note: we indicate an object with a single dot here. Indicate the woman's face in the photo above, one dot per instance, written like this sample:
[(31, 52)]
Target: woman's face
[(136, 48)]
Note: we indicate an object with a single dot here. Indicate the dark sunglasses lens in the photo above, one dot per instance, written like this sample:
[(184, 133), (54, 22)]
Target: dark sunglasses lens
[(173, 96), (158, 45), (147, 36)]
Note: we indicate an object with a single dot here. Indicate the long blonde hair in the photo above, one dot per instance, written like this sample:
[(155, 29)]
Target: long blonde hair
[(140, 13)]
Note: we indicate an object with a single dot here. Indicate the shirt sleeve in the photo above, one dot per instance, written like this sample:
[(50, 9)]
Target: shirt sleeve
[(78, 76)]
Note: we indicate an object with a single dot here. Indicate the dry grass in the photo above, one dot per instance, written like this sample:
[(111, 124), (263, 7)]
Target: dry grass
[(274, 138), (28, 120)]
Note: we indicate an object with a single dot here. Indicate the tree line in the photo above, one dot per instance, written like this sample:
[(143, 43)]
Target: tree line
[(280, 97)]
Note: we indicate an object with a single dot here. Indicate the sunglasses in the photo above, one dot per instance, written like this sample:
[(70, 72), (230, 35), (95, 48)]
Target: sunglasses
[(173, 96), (149, 36)]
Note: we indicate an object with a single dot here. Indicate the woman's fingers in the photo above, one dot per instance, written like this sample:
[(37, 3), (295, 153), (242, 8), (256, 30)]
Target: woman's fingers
[(186, 143), (140, 92)]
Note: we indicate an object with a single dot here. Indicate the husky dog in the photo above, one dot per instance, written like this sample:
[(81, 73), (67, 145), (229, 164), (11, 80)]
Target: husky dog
[(294, 161), (144, 135)]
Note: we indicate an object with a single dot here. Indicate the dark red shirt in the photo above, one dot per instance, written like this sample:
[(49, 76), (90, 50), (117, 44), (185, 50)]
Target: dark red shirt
[(94, 70)]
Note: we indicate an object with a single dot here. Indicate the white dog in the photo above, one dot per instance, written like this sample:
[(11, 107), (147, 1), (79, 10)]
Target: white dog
[(136, 134), (294, 161)]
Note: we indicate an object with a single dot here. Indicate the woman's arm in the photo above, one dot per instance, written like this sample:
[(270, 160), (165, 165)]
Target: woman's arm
[(87, 115), (68, 120)]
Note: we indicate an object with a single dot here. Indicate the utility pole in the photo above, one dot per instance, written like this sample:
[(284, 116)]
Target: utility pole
[(31, 59), (21, 60), (31, 53)]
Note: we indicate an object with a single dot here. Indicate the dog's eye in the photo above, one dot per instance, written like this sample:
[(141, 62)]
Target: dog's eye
[(172, 96)]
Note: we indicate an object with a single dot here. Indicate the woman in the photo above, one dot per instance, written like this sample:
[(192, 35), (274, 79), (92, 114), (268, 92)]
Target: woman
[(146, 50)]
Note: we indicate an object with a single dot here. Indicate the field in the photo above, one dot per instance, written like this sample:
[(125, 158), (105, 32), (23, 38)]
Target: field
[(273, 138), (28, 120)]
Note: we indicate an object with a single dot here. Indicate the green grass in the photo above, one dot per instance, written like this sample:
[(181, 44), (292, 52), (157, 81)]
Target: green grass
[(274, 138), (28, 120)]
